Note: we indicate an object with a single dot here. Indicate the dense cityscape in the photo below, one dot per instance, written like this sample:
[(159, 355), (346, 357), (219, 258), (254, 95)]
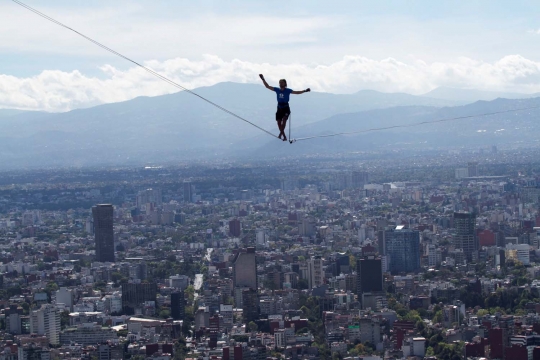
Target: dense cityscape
[(236, 180), (366, 256)]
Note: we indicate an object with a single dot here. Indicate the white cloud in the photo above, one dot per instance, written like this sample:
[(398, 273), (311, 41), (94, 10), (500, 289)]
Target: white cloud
[(54, 90), (131, 30)]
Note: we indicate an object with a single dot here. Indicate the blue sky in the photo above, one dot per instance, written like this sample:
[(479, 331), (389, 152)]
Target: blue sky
[(341, 46)]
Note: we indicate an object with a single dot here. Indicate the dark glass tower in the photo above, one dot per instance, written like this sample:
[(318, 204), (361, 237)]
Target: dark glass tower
[(178, 305), (103, 231), (465, 239), (369, 276), (403, 249)]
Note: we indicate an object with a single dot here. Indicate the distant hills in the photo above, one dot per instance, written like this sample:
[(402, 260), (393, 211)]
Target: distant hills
[(180, 126), (10, 112), (472, 95), (511, 128)]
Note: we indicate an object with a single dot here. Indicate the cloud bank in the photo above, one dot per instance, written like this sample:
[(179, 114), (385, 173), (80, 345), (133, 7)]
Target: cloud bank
[(54, 90)]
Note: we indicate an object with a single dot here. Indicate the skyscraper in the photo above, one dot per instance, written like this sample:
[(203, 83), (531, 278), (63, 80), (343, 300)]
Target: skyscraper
[(403, 249), (381, 242), (188, 191), (245, 269), (178, 305), (250, 306), (235, 228), (465, 238), (103, 232), (149, 196), (315, 272), (359, 179), (369, 275), (472, 168)]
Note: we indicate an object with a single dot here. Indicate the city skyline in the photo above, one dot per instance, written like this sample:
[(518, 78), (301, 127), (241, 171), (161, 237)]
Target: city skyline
[(397, 217)]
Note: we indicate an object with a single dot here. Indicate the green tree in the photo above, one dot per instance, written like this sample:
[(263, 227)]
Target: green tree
[(190, 291), (252, 326), (165, 313), (352, 261), (438, 317), (180, 349), (51, 287), (482, 312)]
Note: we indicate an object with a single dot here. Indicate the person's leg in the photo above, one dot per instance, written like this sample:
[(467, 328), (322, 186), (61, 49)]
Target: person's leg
[(278, 121), (284, 126)]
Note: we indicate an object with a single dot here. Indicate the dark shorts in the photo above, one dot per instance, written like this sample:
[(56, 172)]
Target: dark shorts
[(282, 112)]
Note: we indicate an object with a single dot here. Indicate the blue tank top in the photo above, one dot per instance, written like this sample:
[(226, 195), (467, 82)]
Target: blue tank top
[(282, 96)]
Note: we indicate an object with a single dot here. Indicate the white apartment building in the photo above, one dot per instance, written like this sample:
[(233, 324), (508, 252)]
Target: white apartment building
[(87, 334), (46, 321)]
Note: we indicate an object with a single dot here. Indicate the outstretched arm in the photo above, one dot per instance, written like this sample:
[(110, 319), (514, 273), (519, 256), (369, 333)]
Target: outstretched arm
[(301, 91), (265, 83)]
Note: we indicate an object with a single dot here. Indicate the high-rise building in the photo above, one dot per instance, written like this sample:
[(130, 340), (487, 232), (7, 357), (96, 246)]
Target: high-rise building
[(214, 330), (306, 227), (65, 296), (149, 196), (138, 271), (315, 272), (530, 194), (178, 305), (235, 228), (359, 179), (288, 184), (46, 321), (250, 308), (13, 323), (226, 311), (381, 242), (202, 318), (89, 226), (465, 238), (403, 249), (134, 295), (472, 168), (188, 191), (461, 173), (434, 255), (369, 275), (341, 265), (245, 269), (103, 232), (180, 218)]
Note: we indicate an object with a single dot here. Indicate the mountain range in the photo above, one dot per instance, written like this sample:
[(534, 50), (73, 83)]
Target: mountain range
[(180, 126), (472, 95)]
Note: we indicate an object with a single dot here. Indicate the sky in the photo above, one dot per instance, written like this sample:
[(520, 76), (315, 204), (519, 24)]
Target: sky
[(338, 47)]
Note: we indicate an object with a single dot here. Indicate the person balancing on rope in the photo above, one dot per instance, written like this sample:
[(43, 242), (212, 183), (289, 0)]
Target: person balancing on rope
[(283, 109)]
